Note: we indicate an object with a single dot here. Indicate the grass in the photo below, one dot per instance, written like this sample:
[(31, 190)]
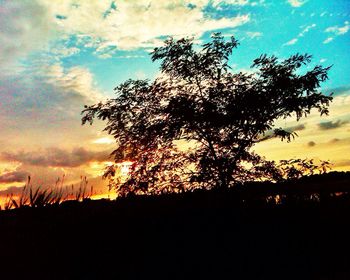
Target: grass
[(38, 197)]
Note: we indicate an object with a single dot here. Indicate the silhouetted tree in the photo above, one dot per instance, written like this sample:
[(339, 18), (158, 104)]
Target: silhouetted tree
[(297, 168), (198, 101)]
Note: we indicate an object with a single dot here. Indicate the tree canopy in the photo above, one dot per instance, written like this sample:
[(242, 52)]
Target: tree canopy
[(198, 102)]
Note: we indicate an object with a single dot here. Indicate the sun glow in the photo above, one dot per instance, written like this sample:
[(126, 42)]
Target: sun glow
[(103, 141), (97, 169), (110, 195), (124, 167)]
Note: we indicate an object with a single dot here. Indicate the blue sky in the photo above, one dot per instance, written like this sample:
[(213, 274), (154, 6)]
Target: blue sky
[(274, 27), (281, 28), (56, 56)]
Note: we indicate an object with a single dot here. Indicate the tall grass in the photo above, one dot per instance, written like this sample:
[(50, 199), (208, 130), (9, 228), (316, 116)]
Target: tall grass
[(38, 197)]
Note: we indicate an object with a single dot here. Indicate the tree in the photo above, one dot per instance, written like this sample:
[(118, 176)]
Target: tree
[(297, 168), (197, 100)]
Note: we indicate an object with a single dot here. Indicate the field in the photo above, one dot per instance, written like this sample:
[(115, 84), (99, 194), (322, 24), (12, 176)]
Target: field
[(217, 234)]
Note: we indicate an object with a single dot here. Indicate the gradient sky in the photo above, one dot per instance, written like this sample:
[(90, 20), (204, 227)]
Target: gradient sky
[(56, 56)]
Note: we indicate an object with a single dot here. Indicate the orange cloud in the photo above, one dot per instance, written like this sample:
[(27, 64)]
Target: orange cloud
[(14, 176), (56, 157)]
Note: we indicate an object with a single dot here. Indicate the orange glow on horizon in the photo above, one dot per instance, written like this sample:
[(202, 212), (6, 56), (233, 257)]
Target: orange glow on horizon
[(109, 195)]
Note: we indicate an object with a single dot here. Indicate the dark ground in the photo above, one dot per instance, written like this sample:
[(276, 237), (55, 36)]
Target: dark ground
[(200, 235)]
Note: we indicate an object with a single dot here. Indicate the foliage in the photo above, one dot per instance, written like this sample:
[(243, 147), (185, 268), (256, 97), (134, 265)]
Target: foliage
[(297, 168), (199, 102)]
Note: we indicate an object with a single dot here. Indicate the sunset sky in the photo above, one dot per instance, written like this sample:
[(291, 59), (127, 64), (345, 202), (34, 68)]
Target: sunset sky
[(57, 56)]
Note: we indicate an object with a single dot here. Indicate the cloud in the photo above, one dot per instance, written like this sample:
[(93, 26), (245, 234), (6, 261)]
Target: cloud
[(56, 157), (44, 95), (77, 80), (63, 51), (38, 25), (25, 27), (331, 125), (231, 2), (311, 144), (104, 141), (254, 35), (14, 176), (296, 3), (336, 30), (306, 30), (135, 24), (129, 56), (47, 175), (326, 146), (328, 40), (291, 42), (334, 140), (294, 128), (11, 190), (270, 134), (301, 34)]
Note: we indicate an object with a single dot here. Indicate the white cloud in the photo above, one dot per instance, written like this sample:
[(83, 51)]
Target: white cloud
[(25, 26), (236, 2), (62, 51), (328, 40), (75, 80), (296, 3), (291, 42), (29, 26), (136, 23), (130, 56), (253, 35), (336, 30), (306, 29), (231, 2), (301, 34)]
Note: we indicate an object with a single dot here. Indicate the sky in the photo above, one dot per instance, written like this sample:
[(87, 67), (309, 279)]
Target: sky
[(57, 56)]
